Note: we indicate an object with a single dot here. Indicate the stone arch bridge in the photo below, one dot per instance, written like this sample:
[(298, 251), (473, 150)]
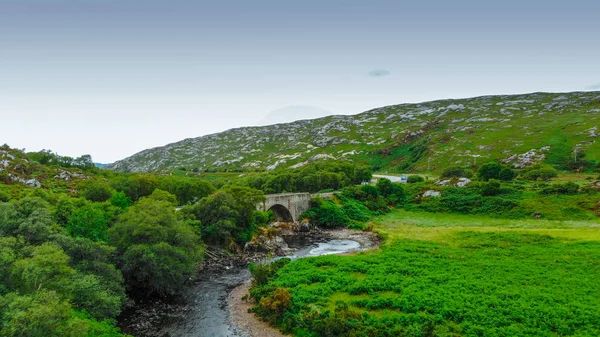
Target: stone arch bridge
[(287, 207)]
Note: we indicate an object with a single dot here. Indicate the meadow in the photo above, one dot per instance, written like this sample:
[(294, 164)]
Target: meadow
[(446, 275)]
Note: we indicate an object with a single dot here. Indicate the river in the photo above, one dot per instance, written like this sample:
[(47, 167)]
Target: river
[(202, 310)]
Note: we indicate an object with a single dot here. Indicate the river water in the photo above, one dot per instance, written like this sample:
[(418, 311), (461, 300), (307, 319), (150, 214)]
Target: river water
[(202, 310)]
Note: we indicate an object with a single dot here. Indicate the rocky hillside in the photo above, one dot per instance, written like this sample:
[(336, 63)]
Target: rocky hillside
[(517, 129), (17, 169)]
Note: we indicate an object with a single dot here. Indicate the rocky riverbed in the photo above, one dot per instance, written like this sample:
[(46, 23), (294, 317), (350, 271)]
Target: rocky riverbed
[(212, 305)]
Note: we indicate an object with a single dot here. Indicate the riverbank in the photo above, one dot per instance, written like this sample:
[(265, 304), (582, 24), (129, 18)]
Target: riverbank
[(250, 324), (246, 321)]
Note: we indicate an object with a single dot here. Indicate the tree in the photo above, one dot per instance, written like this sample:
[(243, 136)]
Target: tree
[(120, 200), (228, 214), (29, 218), (48, 268), (156, 251), (456, 172), (187, 190), (363, 174), (507, 174), (160, 195), (489, 171), (89, 221), (392, 191), (95, 190), (135, 186), (42, 313)]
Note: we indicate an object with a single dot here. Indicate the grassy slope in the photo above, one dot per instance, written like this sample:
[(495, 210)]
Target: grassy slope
[(456, 275)]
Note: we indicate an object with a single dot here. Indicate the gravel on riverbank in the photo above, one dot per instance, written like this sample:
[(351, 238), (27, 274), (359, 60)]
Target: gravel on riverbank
[(244, 320)]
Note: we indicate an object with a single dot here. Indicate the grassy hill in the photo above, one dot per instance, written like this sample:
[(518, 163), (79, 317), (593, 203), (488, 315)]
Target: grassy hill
[(516, 129)]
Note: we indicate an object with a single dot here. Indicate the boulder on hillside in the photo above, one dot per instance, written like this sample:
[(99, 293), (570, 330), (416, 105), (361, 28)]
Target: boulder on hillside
[(432, 193), (456, 182)]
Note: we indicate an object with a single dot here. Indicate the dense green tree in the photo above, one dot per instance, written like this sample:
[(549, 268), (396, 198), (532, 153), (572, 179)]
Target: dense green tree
[(281, 183), (489, 171), (47, 267), (95, 190), (326, 214), (228, 214), (218, 217), (39, 314), (160, 195), (29, 218), (10, 251), (89, 221), (187, 190), (157, 252), (135, 186), (120, 200)]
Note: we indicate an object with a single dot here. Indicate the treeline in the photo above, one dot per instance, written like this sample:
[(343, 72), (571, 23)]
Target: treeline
[(315, 177), (47, 157), (495, 190)]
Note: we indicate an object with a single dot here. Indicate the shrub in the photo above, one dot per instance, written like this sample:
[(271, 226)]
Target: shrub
[(460, 200), (4, 196), (496, 205), (489, 171), (507, 174), (369, 192), (492, 187), (356, 211), (327, 214), (272, 308), (414, 179), (263, 273), (545, 173), (566, 188), (392, 191), (457, 172)]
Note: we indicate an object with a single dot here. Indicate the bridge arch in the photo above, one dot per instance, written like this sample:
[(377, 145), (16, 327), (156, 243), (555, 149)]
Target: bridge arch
[(282, 213), (287, 207)]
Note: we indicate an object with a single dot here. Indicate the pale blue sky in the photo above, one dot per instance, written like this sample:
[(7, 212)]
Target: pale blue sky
[(111, 78)]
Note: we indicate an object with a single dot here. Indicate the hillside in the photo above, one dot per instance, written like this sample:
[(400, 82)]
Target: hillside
[(16, 168), (516, 129)]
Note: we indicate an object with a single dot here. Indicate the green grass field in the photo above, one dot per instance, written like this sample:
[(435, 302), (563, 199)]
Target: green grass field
[(452, 275)]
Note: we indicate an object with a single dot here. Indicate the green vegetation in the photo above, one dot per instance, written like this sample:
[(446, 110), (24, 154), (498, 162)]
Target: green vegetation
[(445, 275), (76, 241), (482, 260), (457, 172), (311, 178)]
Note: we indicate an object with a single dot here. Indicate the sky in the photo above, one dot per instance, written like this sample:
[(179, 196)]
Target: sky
[(113, 77)]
